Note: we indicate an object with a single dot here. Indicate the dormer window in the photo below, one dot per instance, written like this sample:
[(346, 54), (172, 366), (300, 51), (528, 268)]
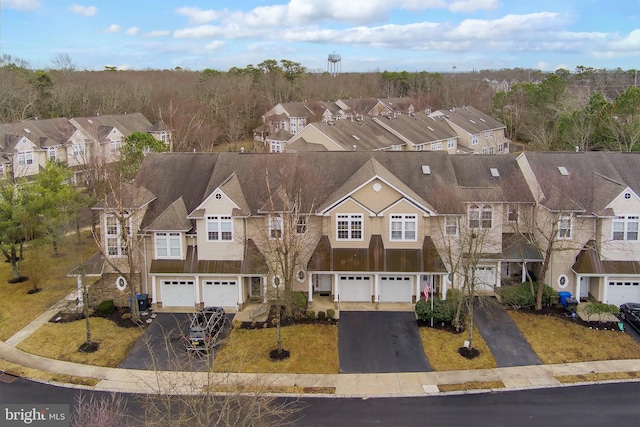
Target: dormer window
[(564, 227), (275, 226), (349, 227), (168, 245), (25, 158), (403, 227)]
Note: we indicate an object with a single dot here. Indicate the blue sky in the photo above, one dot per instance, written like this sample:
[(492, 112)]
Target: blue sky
[(393, 35)]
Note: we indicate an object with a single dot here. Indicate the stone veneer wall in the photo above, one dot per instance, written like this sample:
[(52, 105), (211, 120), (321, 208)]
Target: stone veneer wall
[(105, 289)]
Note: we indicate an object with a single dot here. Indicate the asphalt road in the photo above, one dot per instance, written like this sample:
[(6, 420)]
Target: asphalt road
[(380, 341), (504, 339), (592, 405)]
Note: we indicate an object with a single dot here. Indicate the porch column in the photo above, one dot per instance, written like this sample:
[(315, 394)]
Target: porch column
[(240, 290), (577, 295), (376, 288), (605, 292), (310, 278), (416, 288), (443, 288), (524, 271), (197, 286), (153, 288), (336, 284), (80, 293), (263, 279), (499, 275)]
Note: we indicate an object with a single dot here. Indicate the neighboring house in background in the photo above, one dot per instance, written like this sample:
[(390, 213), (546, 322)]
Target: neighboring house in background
[(294, 116), (398, 132), (29, 145), (477, 131), (380, 226), (78, 142)]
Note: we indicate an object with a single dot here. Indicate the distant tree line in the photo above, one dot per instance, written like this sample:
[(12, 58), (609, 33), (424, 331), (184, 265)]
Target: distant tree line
[(587, 108)]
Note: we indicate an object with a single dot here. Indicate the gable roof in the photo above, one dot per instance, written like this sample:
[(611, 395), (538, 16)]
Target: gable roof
[(43, 133), (593, 179), (363, 134), (418, 128), (125, 123), (470, 119)]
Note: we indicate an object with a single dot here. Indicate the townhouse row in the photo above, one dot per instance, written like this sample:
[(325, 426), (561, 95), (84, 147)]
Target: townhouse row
[(212, 229), (371, 124), (80, 142)]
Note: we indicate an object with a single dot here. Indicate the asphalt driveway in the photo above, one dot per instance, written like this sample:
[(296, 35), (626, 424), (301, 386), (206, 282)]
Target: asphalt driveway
[(506, 342), (162, 346), (380, 341)]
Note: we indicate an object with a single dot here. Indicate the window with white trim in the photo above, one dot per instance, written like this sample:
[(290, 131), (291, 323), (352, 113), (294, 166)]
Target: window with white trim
[(114, 146), (474, 139), (25, 158), (276, 147), (625, 228), (219, 228), (51, 153), (500, 147), (420, 147), (564, 226), (168, 245), (435, 146), (480, 216), (115, 235), (349, 227), (451, 225), (301, 225), (78, 150), (488, 134), (513, 213), (275, 226), (403, 227), (451, 143)]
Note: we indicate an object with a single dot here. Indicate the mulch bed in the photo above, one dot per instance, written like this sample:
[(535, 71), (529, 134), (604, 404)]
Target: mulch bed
[(119, 317), (297, 319), (559, 312)]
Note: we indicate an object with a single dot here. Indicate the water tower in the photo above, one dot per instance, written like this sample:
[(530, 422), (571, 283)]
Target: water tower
[(333, 64)]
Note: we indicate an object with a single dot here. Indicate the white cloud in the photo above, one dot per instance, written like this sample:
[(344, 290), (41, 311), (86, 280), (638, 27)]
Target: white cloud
[(113, 28), (197, 15), (83, 10), (215, 46), (132, 31), (157, 33), (203, 31), (23, 5)]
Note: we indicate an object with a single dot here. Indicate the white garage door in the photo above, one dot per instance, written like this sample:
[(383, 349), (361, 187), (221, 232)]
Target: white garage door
[(355, 288), (178, 293), (220, 293), (396, 289), (623, 291), (485, 279)]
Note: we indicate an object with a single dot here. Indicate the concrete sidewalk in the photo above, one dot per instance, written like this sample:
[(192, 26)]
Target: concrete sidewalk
[(345, 385)]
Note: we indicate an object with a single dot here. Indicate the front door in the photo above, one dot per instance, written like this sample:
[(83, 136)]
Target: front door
[(256, 286)]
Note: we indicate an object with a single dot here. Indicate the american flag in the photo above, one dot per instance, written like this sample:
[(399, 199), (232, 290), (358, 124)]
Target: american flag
[(426, 290)]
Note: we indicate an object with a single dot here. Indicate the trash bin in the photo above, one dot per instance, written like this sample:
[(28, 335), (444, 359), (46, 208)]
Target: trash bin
[(143, 301), (563, 297)]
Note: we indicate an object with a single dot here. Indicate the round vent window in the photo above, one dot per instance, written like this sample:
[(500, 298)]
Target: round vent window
[(121, 283), (627, 196), (563, 281), (218, 196), (377, 187)]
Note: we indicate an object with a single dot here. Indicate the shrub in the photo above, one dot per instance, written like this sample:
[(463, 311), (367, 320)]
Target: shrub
[(590, 309), (106, 307), (442, 310), (311, 314), (299, 300), (523, 295), (331, 313), (322, 315)]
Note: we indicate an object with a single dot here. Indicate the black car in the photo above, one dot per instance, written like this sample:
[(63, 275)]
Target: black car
[(206, 326), (630, 312)]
